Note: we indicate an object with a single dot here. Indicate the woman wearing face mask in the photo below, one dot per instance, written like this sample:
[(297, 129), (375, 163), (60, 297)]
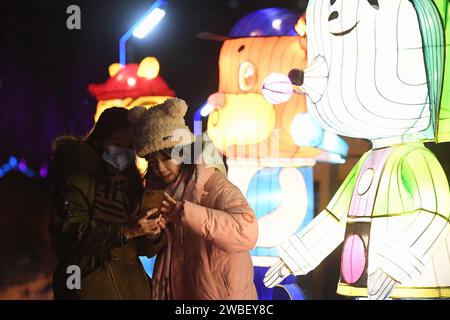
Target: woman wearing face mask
[(210, 227), (95, 224)]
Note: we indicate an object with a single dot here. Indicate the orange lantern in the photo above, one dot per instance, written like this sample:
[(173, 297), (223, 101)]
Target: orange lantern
[(242, 123)]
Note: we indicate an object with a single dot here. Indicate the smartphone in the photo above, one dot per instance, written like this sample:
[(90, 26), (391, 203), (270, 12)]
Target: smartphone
[(151, 199)]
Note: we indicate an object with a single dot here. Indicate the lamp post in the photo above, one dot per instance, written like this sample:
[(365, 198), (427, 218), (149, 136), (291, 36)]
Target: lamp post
[(201, 112), (142, 27)]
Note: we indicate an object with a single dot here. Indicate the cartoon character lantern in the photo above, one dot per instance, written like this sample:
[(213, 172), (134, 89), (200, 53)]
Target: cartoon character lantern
[(270, 149), (376, 71), (131, 85), (242, 123)]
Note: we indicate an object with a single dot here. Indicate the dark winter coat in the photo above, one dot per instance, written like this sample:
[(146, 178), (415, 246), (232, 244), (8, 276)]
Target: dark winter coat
[(92, 202)]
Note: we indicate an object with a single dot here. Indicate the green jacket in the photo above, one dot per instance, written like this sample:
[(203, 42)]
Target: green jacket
[(92, 202)]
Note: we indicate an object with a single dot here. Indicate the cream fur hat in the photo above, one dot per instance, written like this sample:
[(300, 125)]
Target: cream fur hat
[(159, 127)]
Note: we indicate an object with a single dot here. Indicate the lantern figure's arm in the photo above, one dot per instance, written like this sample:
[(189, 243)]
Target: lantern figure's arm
[(415, 235), (305, 251), (407, 256)]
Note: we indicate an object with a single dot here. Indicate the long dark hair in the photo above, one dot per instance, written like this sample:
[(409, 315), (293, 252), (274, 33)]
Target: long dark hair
[(110, 121)]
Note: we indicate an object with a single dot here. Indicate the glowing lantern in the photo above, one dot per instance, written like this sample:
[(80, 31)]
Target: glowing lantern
[(300, 27), (280, 88), (148, 68), (114, 69), (129, 86), (376, 71), (241, 120)]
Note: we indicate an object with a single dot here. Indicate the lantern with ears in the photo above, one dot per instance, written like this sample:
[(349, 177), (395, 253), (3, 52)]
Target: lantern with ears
[(270, 149), (129, 86), (377, 70)]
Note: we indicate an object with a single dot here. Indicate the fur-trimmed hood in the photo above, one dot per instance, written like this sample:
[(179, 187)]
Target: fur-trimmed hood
[(71, 155)]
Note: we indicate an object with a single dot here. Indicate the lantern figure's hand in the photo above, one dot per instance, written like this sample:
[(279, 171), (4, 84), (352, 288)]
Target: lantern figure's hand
[(291, 261), (380, 285), (277, 273)]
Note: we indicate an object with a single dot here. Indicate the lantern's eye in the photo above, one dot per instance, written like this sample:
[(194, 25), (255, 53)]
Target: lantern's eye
[(374, 4), (247, 76)]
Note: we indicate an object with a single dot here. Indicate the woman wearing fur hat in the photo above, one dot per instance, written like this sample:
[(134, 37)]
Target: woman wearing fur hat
[(210, 227), (94, 224)]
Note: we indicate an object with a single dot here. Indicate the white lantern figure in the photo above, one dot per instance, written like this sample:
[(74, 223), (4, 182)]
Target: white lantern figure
[(376, 71)]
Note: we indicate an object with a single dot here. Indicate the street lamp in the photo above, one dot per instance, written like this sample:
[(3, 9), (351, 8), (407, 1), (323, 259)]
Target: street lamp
[(142, 27)]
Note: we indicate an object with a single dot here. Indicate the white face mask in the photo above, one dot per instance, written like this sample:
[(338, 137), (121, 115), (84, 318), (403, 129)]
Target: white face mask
[(120, 158)]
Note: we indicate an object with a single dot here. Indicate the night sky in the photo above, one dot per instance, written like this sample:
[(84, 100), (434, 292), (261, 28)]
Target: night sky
[(45, 68)]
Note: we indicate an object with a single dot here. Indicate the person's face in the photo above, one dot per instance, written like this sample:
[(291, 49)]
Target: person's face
[(163, 166), (121, 138)]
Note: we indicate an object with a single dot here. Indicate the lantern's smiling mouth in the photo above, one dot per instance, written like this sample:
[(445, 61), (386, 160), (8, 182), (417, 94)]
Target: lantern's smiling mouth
[(343, 33)]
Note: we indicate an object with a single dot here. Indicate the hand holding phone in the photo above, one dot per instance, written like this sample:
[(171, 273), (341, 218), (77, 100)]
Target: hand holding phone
[(151, 199)]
